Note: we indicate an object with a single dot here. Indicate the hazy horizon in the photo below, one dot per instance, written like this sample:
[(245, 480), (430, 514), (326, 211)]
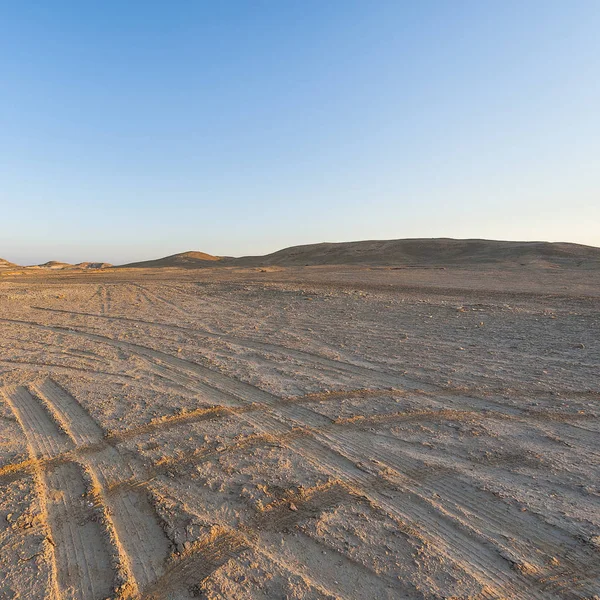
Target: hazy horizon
[(136, 131)]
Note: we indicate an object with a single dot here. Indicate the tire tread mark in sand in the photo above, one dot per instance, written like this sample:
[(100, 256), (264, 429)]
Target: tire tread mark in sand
[(142, 544), (480, 559), (487, 521), (411, 469), (44, 438), (280, 517), (343, 468), (212, 413), (81, 543), (290, 510), (479, 552), (161, 424), (209, 554), (150, 294), (139, 533), (478, 517), (81, 556), (322, 361), (203, 559), (80, 426), (67, 368), (322, 573), (106, 300), (486, 525)]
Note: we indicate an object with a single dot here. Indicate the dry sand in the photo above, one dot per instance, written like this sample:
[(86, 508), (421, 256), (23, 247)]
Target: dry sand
[(326, 432)]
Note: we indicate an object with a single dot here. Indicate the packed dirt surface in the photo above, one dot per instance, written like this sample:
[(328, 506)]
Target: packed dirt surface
[(307, 433)]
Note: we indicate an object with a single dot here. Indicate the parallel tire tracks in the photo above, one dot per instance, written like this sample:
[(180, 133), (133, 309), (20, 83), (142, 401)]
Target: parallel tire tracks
[(471, 545), (82, 565), (54, 422)]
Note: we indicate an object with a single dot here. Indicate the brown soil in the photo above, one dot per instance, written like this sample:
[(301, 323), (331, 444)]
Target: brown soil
[(300, 432)]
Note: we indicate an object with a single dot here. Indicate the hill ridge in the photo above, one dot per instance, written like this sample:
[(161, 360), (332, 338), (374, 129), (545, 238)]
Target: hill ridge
[(407, 251), (5, 264), (188, 259)]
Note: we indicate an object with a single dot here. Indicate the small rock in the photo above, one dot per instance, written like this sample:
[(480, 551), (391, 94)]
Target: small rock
[(579, 346), (293, 506)]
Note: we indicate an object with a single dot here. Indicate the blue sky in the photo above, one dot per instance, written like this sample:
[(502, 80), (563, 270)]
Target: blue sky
[(131, 130)]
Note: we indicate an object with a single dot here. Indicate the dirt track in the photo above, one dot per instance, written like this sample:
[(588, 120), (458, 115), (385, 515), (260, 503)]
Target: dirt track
[(300, 433)]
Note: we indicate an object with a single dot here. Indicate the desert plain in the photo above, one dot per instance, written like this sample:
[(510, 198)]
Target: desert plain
[(357, 431)]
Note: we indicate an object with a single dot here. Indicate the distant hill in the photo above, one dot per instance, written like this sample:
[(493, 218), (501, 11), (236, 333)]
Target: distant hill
[(4, 264), (92, 265), (429, 252), (405, 252), (426, 252), (54, 264), (185, 260)]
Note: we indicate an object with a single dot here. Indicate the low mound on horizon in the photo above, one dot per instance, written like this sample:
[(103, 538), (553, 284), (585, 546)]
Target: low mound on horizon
[(4, 264), (92, 265), (184, 260), (57, 265), (404, 252)]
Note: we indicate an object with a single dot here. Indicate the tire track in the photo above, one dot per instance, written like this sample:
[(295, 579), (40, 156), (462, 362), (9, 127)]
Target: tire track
[(393, 381), (103, 300), (333, 365), (140, 536), (149, 295), (205, 558), (80, 426), (44, 438), (486, 559), (483, 562), (420, 386), (143, 546), (82, 560), (60, 368), (489, 525), (278, 516), (530, 545), (83, 557), (224, 544), (479, 558)]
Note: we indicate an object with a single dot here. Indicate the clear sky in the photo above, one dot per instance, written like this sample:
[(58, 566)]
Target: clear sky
[(132, 130)]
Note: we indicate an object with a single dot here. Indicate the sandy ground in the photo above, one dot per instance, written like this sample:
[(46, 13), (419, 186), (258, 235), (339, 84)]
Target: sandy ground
[(300, 433)]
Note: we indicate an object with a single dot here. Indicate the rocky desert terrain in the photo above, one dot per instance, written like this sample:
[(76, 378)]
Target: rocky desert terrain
[(407, 429)]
